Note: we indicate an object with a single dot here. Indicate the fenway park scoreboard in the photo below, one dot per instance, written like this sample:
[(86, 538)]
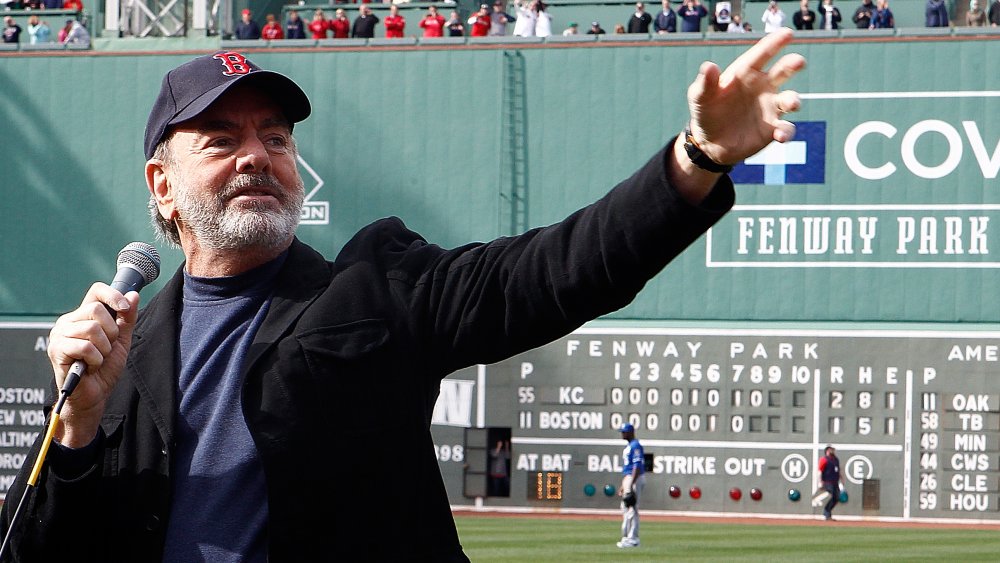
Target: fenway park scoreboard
[(735, 421)]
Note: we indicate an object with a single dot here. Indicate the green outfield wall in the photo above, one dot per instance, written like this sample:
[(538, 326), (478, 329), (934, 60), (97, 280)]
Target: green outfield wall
[(883, 209), (847, 299)]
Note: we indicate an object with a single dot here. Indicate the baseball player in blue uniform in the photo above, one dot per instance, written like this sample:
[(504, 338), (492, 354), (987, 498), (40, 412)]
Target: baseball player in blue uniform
[(633, 480)]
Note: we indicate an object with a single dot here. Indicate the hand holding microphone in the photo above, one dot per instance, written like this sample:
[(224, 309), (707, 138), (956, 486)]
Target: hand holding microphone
[(98, 334)]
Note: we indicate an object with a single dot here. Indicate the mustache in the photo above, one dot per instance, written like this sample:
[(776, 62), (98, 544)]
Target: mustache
[(245, 181)]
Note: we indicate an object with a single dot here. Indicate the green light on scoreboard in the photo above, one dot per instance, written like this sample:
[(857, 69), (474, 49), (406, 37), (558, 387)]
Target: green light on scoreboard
[(547, 485)]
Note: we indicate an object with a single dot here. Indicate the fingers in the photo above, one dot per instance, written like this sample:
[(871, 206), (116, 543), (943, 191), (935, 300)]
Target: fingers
[(764, 50), (89, 332), (785, 68), (706, 84)]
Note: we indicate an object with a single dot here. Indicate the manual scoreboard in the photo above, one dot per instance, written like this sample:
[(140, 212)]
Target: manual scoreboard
[(734, 421)]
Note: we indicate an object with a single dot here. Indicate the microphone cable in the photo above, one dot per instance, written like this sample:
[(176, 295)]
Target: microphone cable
[(69, 385)]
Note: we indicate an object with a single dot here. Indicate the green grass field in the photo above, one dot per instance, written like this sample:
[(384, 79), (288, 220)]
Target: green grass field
[(537, 540)]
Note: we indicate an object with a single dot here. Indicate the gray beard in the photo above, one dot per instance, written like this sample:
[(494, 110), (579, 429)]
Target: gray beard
[(221, 226)]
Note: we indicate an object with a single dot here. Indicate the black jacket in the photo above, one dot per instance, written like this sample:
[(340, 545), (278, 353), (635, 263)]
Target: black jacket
[(352, 351)]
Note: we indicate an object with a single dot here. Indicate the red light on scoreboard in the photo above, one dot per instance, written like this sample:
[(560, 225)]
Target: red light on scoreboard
[(675, 491), (735, 493), (756, 493), (695, 492)]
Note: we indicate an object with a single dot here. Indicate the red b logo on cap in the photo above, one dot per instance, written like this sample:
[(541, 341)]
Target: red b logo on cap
[(235, 63)]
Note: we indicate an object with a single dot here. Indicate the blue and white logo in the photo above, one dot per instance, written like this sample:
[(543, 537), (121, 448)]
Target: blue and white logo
[(799, 161)]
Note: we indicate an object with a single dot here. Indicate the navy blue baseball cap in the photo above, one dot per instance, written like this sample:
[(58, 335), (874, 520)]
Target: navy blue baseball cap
[(628, 428), (189, 89)]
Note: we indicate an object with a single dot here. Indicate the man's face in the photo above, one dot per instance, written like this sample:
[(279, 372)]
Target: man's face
[(233, 181)]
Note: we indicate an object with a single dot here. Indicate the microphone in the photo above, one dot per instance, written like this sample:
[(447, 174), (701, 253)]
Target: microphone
[(138, 265)]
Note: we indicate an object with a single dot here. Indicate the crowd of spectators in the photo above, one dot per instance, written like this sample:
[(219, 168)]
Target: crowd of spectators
[(39, 31), (531, 18)]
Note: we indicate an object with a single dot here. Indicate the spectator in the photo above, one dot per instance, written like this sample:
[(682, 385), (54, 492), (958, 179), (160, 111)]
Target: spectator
[(499, 19), (295, 28), (863, 15), (666, 20), (74, 5), (480, 22), (524, 25), (433, 23), (77, 34), (364, 24), (882, 18), (640, 19), (829, 16), (805, 17), (773, 18), (64, 31), (340, 25), (247, 28), (993, 16), (272, 29), (691, 14), (975, 17), (543, 21), (619, 28), (736, 26), (52, 4), (723, 16), (395, 24), (39, 31), (11, 31), (454, 25), (319, 25), (936, 14), (595, 29), (571, 29)]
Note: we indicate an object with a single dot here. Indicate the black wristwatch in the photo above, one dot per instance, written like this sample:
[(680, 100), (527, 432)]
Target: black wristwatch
[(700, 159)]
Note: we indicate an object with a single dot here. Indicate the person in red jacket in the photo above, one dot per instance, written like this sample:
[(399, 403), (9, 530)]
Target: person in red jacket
[(394, 23), (72, 5), (319, 25), (481, 21), (433, 23), (341, 25), (272, 29)]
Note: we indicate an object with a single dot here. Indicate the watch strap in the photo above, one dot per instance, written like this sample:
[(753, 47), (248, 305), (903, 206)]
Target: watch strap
[(699, 158)]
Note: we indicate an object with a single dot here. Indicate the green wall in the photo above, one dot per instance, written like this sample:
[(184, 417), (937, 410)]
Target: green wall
[(444, 139)]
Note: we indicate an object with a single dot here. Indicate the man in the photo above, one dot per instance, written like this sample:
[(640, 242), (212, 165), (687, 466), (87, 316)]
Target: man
[(863, 15), (571, 29), (480, 22), (77, 34), (691, 14), (829, 15), (831, 479), (11, 31), (395, 23), (499, 19), (666, 20), (272, 30), (596, 29), (220, 424), (805, 18), (247, 28), (936, 14), (295, 27), (993, 15), (640, 20), (882, 18), (633, 481), (433, 23), (364, 24)]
